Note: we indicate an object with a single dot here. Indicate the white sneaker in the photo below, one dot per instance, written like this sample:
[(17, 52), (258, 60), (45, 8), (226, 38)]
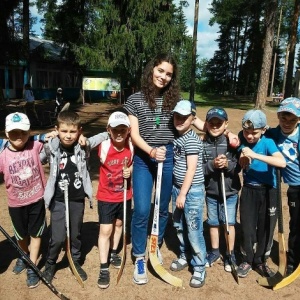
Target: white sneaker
[(140, 271)]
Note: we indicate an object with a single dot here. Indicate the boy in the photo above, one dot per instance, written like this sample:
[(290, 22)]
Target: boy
[(259, 156), (219, 157), (25, 182), (188, 194), (116, 165), (68, 160), (286, 135)]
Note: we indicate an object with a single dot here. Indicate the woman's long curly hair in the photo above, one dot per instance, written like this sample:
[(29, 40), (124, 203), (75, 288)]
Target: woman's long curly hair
[(171, 93)]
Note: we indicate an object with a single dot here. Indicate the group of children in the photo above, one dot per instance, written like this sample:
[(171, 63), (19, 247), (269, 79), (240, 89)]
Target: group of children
[(199, 165)]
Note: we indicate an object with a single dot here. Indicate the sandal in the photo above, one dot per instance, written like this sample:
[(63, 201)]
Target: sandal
[(178, 264), (198, 279)]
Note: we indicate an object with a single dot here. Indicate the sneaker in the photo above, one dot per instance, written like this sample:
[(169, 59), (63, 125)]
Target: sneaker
[(104, 279), (140, 272), (230, 258), (159, 256), (33, 280), (19, 267), (211, 258), (264, 270), (80, 271), (198, 279), (178, 264), (49, 272), (115, 260), (243, 269)]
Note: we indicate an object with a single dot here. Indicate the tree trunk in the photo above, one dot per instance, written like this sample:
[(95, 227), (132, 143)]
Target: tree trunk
[(263, 84), (289, 90)]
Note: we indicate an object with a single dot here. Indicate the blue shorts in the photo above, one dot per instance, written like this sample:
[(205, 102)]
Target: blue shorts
[(216, 213)]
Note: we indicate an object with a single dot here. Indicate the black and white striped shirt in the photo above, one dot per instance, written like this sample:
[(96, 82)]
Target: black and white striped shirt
[(155, 126), (187, 144)]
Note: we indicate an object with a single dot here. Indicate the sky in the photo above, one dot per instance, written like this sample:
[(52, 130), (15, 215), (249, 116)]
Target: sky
[(206, 35)]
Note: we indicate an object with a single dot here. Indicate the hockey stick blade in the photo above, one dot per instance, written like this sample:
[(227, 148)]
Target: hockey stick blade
[(153, 245), (288, 280), (65, 107), (33, 266), (158, 268)]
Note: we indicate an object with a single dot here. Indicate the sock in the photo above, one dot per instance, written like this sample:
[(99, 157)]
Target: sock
[(215, 251), (104, 267)]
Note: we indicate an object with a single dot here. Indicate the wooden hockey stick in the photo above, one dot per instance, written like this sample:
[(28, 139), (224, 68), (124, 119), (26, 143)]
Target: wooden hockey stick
[(68, 247), (65, 107), (231, 262), (33, 266), (273, 280), (120, 271), (158, 268), (287, 280)]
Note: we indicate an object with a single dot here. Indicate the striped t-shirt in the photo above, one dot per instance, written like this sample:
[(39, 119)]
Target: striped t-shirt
[(155, 125), (187, 144)]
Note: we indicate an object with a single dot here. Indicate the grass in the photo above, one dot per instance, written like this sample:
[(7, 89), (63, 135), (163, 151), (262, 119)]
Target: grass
[(238, 102)]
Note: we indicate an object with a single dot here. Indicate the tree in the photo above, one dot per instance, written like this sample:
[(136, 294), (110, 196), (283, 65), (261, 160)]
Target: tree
[(118, 36), (270, 14), (289, 91)]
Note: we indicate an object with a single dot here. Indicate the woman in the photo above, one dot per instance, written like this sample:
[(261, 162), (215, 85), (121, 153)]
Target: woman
[(152, 133)]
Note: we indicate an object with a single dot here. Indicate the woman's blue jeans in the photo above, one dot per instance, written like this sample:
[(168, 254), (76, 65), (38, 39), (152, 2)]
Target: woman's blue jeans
[(188, 223), (144, 175)]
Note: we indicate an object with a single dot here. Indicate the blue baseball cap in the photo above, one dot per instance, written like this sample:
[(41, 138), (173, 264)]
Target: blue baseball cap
[(217, 112), (291, 105), (185, 108), (256, 117)]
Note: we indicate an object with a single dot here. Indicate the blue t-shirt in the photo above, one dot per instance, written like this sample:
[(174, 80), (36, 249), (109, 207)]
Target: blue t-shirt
[(288, 146), (260, 172)]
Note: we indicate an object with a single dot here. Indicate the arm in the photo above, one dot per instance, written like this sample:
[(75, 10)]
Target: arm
[(276, 159), (157, 153), (188, 179), (97, 139)]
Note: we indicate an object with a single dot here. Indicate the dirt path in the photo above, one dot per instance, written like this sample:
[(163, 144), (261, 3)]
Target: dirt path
[(219, 284)]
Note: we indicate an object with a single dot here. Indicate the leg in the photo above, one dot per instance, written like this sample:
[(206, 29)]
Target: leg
[(213, 220), (166, 190), (143, 173), (179, 224), (117, 233), (193, 212), (293, 194), (105, 232), (35, 243)]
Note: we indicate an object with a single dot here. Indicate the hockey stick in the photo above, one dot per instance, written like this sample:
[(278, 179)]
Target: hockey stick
[(287, 280), (273, 280), (158, 268), (33, 266), (231, 262), (70, 259), (120, 271)]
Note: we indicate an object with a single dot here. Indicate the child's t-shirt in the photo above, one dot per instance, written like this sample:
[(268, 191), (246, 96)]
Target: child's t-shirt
[(68, 171), (260, 172), (288, 146), (111, 181), (187, 144), (23, 174)]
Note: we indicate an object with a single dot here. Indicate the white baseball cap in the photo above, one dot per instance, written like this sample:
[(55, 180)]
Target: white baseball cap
[(118, 118), (17, 121)]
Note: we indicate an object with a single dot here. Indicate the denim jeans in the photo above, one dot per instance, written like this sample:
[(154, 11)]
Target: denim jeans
[(143, 177), (189, 225), (216, 212)]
